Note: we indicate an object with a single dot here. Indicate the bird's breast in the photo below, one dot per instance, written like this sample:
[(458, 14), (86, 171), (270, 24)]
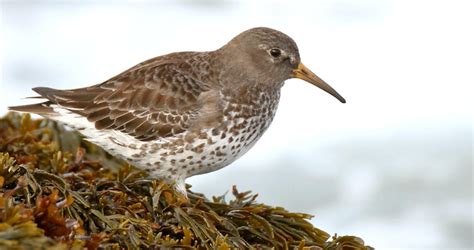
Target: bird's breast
[(241, 126)]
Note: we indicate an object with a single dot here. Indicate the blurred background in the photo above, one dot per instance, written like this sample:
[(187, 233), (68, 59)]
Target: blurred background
[(393, 165)]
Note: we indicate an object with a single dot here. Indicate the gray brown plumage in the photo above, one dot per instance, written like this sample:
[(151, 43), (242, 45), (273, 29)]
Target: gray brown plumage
[(185, 113)]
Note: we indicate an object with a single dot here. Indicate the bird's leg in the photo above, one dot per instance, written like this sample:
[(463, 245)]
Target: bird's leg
[(176, 193), (181, 193)]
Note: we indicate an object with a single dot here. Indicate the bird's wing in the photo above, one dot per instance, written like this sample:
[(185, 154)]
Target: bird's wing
[(149, 101)]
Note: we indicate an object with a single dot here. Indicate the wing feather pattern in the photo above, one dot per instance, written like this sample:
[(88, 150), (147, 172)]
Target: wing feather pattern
[(155, 99)]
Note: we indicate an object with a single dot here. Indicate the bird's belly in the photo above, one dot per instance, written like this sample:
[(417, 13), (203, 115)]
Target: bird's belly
[(190, 153), (207, 151), (224, 147), (187, 154)]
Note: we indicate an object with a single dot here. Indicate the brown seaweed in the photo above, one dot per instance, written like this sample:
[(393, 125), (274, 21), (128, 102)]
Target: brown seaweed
[(59, 191)]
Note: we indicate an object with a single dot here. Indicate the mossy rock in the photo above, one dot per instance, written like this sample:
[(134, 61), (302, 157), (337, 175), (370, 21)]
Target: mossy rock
[(58, 191)]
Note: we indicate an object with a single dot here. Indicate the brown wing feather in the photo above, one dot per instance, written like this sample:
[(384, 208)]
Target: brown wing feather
[(155, 99)]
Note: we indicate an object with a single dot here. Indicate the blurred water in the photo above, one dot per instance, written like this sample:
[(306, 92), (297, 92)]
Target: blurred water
[(393, 165)]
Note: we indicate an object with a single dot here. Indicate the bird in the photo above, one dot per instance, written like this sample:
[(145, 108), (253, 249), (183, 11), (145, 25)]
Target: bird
[(185, 113)]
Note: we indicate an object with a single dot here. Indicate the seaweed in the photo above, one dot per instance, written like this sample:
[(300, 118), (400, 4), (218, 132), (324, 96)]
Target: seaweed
[(59, 191)]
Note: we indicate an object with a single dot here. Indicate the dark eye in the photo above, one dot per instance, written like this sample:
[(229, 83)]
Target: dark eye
[(275, 52)]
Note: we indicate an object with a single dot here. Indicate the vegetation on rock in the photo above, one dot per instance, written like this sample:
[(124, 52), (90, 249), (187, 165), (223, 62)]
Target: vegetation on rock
[(58, 191)]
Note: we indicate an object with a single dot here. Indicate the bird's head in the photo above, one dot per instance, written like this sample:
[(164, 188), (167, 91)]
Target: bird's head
[(270, 57)]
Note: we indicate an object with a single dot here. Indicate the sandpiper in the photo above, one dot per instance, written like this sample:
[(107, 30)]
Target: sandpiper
[(185, 113)]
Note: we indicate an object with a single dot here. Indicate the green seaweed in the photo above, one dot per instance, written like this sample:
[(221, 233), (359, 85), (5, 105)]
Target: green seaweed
[(58, 191)]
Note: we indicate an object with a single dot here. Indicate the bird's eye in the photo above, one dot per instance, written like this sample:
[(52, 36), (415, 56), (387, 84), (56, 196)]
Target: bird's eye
[(275, 52)]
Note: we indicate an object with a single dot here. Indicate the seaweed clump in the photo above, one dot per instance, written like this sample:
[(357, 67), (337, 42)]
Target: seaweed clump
[(59, 191)]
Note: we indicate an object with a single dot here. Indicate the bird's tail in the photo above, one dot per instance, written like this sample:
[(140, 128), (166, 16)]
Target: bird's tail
[(43, 108), (73, 99)]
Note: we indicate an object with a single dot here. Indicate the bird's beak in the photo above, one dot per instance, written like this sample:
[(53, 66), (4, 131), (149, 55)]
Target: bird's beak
[(305, 74)]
